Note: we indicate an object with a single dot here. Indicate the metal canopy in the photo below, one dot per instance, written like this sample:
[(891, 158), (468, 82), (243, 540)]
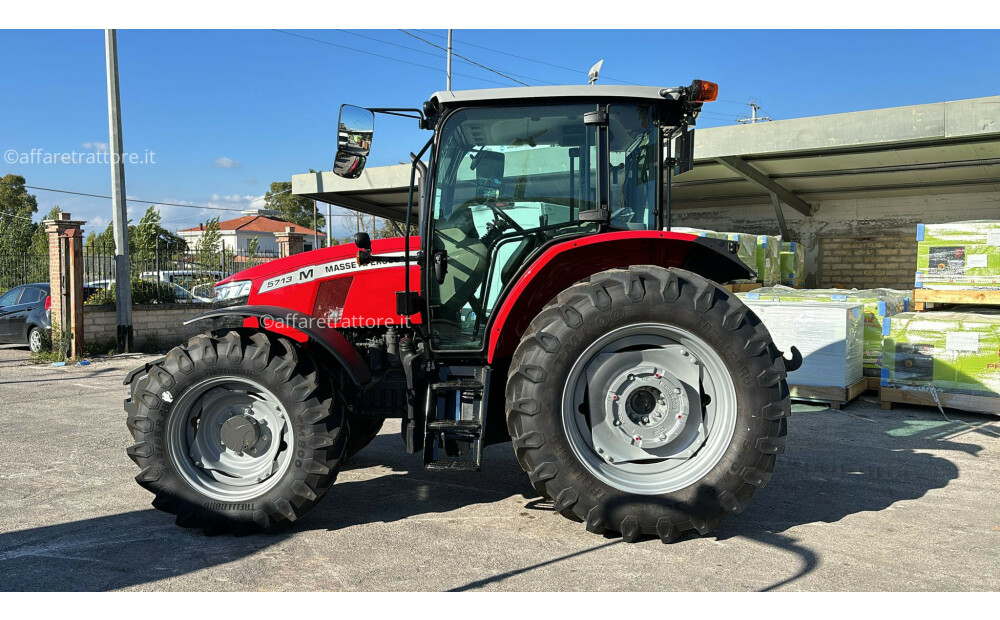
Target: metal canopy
[(935, 148)]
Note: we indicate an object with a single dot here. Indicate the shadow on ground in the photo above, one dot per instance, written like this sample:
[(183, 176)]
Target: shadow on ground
[(837, 464)]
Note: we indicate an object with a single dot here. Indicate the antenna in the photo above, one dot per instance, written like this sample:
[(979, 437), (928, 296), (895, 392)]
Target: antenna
[(754, 108), (595, 70)]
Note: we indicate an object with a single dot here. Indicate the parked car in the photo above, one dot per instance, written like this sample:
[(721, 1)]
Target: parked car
[(183, 277), (25, 315), (181, 294)]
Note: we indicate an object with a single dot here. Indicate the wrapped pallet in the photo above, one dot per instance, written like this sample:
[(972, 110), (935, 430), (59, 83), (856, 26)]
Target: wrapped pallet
[(830, 337), (958, 256), (793, 263), (768, 260), (957, 352), (747, 251), (701, 232), (876, 303)]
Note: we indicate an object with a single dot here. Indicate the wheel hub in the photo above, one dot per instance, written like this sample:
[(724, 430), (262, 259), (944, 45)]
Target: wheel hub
[(648, 406), (240, 433)]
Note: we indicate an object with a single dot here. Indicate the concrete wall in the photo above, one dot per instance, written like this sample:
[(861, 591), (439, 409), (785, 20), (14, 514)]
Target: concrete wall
[(163, 321), (863, 242)]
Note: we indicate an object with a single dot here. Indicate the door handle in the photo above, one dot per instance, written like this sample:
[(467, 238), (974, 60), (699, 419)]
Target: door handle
[(440, 265)]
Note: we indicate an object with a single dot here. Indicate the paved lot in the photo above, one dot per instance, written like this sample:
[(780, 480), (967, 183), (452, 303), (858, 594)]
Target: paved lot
[(862, 500)]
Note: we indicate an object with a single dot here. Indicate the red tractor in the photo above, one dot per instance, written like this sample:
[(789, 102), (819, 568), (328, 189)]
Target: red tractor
[(545, 302)]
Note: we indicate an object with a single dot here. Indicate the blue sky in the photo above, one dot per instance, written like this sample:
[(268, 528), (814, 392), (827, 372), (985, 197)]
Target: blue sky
[(228, 112)]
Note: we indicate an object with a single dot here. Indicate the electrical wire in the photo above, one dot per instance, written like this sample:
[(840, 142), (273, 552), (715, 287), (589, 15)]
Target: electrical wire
[(415, 64), (535, 60), (440, 56), (466, 59)]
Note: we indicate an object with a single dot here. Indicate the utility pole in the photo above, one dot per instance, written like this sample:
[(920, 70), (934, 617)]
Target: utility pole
[(754, 108), (123, 280), (449, 59), (315, 227), (329, 219)]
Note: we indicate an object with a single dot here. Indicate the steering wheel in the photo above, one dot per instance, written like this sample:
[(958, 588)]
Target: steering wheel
[(492, 207)]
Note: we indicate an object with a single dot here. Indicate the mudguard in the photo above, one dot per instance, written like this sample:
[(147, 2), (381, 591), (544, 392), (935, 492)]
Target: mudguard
[(563, 264), (290, 322)]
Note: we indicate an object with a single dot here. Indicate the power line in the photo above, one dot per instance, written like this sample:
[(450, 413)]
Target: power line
[(353, 49), (465, 59), (535, 60)]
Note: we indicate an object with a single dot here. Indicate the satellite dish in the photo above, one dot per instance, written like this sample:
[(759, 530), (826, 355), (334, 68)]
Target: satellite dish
[(596, 69)]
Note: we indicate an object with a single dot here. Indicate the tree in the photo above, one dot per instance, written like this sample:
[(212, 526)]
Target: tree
[(40, 238), (210, 243), (145, 237), (291, 208), (16, 208)]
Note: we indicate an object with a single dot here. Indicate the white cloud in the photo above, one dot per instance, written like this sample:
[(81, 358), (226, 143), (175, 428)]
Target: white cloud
[(225, 162), (95, 146)]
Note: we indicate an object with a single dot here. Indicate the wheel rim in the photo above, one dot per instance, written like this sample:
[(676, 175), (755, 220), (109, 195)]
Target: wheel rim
[(230, 438), (35, 341), (649, 408)]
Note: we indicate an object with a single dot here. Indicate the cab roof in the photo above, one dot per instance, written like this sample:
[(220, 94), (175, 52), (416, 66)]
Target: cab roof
[(453, 98)]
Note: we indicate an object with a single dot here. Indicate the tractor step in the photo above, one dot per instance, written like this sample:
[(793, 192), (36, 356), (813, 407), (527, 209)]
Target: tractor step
[(452, 466), (454, 427)]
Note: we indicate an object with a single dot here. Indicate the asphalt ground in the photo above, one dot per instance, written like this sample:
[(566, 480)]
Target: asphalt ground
[(863, 499)]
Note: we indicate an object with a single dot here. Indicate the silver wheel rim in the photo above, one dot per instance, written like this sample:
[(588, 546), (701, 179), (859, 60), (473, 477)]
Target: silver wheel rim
[(35, 341), (649, 408), (197, 429)]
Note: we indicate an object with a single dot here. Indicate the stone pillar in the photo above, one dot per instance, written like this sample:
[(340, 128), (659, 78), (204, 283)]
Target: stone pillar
[(66, 281), (289, 242)]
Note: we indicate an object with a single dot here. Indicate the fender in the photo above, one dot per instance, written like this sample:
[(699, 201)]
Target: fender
[(563, 264), (331, 340)]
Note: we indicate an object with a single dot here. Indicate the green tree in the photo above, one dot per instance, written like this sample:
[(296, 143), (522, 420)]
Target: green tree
[(210, 243), (40, 238), (291, 208), (149, 232), (16, 209)]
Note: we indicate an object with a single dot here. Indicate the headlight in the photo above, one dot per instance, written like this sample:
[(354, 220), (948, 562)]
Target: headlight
[(232, 290)]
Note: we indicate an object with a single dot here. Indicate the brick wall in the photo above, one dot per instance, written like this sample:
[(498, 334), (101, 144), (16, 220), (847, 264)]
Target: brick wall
[(163, 321), (867, 262)]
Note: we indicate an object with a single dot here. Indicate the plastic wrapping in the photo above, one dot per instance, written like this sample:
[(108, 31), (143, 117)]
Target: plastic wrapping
[(877, 304), (958, 255), (953, 351), (829, 336), (747, 251), (793, 263), (768, 260)]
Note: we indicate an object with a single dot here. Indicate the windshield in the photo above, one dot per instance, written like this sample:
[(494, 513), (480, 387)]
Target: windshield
[(511, 179)]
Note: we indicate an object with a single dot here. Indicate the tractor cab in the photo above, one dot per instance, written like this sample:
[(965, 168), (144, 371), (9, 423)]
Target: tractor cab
[(513, 171)]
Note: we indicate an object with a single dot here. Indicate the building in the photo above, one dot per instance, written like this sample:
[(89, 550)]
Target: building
[(260, 223), (852, 187)]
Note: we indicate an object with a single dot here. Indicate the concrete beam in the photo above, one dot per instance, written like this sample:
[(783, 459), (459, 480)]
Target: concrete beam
[(748, 172)]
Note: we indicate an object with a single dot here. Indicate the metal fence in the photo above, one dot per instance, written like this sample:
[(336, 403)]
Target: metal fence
[(185, 275), (22, 268)]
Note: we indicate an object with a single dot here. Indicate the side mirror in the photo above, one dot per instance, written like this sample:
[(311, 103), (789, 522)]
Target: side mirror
[(354, 140), (683, 152)]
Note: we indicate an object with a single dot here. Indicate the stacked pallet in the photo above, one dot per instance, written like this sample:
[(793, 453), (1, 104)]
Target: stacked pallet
[(775, 261), (877, 304), (951, 359), (830, 337), (958, 263)]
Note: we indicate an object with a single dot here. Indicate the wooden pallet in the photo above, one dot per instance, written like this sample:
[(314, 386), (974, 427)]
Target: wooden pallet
[(745, 287), (923, 296), (963, 402), (833, 396), (874, 384)]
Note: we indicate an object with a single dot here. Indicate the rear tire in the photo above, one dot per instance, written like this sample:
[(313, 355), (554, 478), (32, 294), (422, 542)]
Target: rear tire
[(35, 340), (676, 477), (214, 388)]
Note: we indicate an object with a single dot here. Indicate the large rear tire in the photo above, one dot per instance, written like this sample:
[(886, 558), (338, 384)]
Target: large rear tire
[(236, 431), (647, 402)]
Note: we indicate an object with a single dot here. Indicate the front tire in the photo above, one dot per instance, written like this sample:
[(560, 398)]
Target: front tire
[(647, 402), (236, 431)]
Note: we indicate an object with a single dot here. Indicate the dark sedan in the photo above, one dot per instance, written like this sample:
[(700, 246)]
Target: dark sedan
[(25, 315)]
